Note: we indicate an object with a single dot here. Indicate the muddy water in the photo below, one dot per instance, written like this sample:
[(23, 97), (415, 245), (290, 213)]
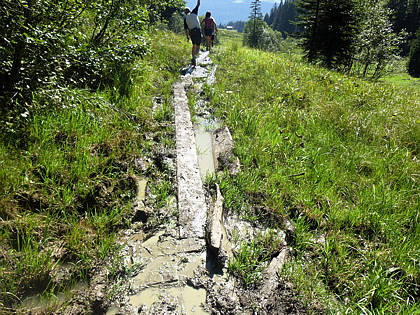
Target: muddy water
[(39, 303), (203, 138), (141, 188), (189, 300)]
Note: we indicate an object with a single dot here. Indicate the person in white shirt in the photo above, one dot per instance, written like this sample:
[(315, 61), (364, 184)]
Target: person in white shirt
[(193, 30)]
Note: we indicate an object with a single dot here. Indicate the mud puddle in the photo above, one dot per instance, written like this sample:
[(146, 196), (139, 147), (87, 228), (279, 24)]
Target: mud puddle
[(188, 299), (40, 303), (203, 129)]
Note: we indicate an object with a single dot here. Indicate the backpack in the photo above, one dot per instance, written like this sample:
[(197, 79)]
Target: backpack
[(209, 24)]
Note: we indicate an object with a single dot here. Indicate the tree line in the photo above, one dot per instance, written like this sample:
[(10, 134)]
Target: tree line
[(360, 36), (282, 17)]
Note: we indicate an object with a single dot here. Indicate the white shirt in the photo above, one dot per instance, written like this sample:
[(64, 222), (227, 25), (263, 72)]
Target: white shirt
[(192, 21)]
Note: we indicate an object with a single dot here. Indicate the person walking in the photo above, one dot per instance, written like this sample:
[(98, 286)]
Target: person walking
[(210, 29), (192, 30)]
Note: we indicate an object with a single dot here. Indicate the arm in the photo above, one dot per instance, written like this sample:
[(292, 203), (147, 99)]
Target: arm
[(195, 11), (187, 31)]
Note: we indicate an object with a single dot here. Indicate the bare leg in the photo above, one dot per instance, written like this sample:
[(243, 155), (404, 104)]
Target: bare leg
[(196, 49), (208, 42)]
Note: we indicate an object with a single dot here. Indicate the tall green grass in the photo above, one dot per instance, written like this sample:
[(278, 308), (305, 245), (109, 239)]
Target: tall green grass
[(337, 155), (66, 186)]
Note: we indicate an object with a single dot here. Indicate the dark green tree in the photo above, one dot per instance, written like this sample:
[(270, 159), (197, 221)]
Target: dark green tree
[(283, 17), (254, 29), (309, 21), (329, 28), (414, 59), (405, 16)]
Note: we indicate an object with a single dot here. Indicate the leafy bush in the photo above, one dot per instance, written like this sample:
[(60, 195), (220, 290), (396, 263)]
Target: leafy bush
[(88, 43), (268, 39), (377, 46)]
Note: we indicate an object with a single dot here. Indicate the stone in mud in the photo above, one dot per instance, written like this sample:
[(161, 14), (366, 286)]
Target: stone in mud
[(222, 299), (191, 203), (270, 277), (223, 151), (215, 224)]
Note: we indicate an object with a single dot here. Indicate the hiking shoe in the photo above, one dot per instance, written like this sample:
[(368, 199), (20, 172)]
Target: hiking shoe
[(194, 61)]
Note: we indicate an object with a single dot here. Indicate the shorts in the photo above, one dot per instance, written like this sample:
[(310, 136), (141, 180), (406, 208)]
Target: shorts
[(208, 32), (195, 36)]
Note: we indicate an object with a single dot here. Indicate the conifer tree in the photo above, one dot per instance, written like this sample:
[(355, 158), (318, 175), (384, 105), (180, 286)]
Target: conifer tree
[(329, 28), (282, 17), (255, 25), (414, 61)]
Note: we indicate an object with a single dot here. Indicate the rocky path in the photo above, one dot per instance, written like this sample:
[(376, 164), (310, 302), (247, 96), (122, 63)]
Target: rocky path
[(181, 267)]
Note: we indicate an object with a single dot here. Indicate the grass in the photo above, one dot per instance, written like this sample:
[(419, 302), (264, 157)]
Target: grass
[(65, 180), (339, 157), (403, 79), (253, 256)]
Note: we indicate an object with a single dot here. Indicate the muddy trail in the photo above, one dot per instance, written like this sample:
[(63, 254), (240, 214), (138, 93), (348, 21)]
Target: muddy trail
[(179, 265)]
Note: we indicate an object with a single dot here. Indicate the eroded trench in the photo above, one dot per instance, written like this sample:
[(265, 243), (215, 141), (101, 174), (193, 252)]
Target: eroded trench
[(182, 267), (176, 264)]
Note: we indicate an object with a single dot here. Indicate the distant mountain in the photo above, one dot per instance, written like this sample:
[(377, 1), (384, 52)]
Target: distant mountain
[(225, 11)]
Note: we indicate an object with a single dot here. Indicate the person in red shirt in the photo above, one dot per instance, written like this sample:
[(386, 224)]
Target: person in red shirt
[(210, 28)]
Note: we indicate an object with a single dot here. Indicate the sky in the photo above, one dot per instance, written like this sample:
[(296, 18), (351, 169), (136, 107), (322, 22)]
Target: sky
[(225, 11)]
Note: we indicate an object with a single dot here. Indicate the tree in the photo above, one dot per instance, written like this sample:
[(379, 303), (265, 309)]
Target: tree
[(405, 16), (283, 17), (414, 60), (329, 28), (377, 46), (254, 31)]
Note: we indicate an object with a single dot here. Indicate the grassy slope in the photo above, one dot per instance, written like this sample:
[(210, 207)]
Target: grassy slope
[(66, 186), (337, 155)]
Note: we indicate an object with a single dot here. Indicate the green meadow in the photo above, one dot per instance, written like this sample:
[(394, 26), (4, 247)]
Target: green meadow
[(337, 156)]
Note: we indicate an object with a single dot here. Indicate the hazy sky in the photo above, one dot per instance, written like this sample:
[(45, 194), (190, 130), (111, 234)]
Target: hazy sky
[(230, 10)]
